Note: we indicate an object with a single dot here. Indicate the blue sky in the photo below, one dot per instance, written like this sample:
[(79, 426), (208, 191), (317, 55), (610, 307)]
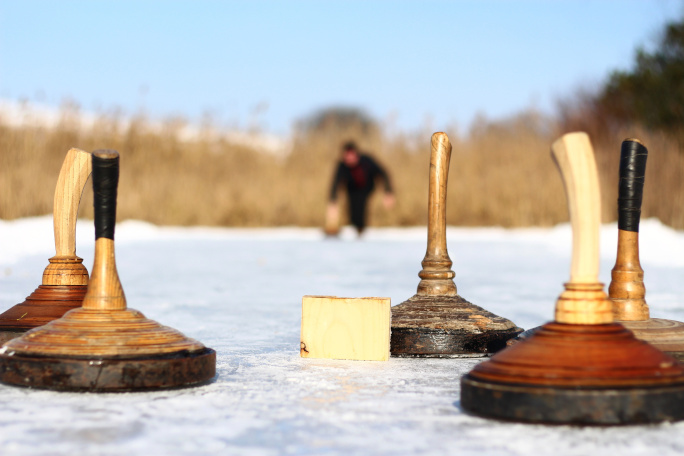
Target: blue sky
[(269, 63)]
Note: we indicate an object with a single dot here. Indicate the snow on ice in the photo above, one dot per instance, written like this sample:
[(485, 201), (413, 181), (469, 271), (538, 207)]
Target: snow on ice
[(239, 291)]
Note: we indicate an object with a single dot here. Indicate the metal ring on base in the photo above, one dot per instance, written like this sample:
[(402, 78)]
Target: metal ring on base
[(111, 374), (586, 406)]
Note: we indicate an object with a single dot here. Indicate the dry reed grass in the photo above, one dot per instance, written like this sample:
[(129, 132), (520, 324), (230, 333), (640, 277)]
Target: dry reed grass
[(501, 174)]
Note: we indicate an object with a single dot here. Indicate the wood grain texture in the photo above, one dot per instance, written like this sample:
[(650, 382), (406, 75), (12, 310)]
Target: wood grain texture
[(665, 335), (65, 279), (436, 321), (104, 326), (437, 278), (577, 374), (578, 370), (581, 355), (104, 290), (65, 267), (583, 301), (46, 303), (627, 290), (345, 328), (72, 179)]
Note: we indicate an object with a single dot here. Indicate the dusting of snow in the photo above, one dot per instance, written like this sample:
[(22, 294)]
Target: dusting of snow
[(239, 291), (20, 114)]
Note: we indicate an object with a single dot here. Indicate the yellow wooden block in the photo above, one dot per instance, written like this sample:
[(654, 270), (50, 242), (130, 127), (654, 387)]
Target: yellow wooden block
[(345, 328)]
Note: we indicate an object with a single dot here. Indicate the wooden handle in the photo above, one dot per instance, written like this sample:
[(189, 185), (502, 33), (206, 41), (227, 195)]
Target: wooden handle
[(627, 289), (437, 276), (70, 184), (104, 290), (440, 156), (575, 159), (583, 301)]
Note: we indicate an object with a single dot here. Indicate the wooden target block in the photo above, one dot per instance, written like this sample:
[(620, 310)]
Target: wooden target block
[(345, 328)]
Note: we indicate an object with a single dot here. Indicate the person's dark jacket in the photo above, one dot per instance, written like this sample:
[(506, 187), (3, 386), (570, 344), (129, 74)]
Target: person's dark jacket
[(360, 178)]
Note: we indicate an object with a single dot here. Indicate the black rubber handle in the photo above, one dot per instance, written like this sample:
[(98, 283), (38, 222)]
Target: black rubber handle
[(631, 190), (105, 183)]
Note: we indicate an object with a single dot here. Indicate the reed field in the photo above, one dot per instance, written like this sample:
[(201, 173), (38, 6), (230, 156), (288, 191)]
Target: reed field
[(501, 173)]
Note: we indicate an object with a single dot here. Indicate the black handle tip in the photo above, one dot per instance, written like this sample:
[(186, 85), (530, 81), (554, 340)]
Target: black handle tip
[(633, 155), (105, 182)]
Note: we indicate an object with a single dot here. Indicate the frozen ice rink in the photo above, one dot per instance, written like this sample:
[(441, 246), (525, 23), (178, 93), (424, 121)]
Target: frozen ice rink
[(239, 292)]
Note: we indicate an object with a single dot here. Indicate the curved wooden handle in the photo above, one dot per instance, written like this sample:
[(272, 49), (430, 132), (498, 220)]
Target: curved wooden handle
[(437, 276), (104, 290), (633, 157), (575, 159), (70, 184), (583, 301)]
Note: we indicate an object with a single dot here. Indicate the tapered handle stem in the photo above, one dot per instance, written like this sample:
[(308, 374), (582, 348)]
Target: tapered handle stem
[(104, 290), (631, 189), (440, 156), (583, 301), (437, 276), (70, 184), (627, 289)]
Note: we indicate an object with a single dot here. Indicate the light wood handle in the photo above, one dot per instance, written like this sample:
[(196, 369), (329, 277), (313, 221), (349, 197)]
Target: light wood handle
[(575, 159), (104, 290), (583, 301), (70, 184), (437, 276)]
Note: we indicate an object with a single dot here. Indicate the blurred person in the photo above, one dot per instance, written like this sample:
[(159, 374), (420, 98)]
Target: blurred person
[(358, 172)]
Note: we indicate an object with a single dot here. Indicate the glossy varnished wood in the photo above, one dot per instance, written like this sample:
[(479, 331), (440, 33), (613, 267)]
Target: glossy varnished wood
[(103, 345), (65, 279), (46, 303), (437, 322), (627, 290), (437, 278), (583, 368)]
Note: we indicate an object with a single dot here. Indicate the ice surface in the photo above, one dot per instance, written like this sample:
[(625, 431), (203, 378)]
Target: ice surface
[(239, 292)]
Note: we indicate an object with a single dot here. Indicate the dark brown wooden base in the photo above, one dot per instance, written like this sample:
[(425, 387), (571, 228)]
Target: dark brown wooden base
[(665, 335), (577, 374), (447, 327), (605, 406), (439, 343), (46, 303), (175, 370)]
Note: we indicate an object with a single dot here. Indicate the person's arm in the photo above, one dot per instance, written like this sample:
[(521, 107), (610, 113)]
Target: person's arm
[(388, 199), (337, 179), (380, 171)]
